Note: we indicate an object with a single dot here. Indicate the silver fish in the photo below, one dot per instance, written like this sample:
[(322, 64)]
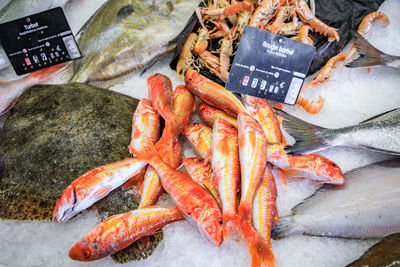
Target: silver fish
[(380, 133), (370, 56), (125, 35), (16, 9), (366, 206)]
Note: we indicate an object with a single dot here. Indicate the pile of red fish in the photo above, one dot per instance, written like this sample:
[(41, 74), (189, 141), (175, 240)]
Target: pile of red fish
[(229, 187)]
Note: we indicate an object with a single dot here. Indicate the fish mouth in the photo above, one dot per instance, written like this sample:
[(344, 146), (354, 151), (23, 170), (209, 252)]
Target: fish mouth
[(64, 209)]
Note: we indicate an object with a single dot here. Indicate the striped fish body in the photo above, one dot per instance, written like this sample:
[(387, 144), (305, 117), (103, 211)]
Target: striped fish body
[(200, 137), (184, 102), (263, 113), (145, 126), (226, 170), (93, 186), (121, 230), (210, 114), (201, 172), (213, 93), (193, 200), (161, 95), (265, 214)]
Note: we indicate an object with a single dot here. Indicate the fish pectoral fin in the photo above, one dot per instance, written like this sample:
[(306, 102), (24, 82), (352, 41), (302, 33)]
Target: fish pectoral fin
[(4, 111), (103, 192), (381, 150)]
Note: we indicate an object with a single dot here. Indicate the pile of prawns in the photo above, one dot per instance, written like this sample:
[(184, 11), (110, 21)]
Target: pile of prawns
[(230, 185), (223, 21)]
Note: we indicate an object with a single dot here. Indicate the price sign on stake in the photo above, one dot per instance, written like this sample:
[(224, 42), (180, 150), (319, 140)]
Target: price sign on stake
[(38, 41), (269, 66)]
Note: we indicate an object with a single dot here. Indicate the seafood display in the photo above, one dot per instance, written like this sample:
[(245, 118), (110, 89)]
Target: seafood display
[(191, 151), (379, 133), (123, 36), (362, 208)]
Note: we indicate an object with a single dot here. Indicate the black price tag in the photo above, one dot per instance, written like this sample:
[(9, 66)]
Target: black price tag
[(269, 66), (38, 41)]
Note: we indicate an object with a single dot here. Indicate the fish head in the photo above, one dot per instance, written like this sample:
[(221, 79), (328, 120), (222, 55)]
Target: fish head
[(160, 86), (193, 79), (327, 170), (87, 249), (225, 128), (194, 130), (64, 209), (248, 124), (211, 225), (206, 110), (198, 168)]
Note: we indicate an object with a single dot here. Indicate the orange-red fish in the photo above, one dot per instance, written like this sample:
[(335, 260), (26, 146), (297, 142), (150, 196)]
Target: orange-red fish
[(310, 166), (93, 186), (263, 113), (265, 214), (161, 97), (213, 93), (201, 172), (210, 114), (199, 137), (121, 230), (193, 200), (145, 128), (184, 104), (253, 160), (12, 90), (226, 170)]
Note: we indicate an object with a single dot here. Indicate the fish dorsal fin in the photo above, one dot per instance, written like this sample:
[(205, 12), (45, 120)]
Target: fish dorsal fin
[(350, 177), (84, 26), (378, 117)]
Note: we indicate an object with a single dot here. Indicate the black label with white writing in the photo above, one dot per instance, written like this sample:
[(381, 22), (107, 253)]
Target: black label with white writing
[(269, 66), (38, 41)]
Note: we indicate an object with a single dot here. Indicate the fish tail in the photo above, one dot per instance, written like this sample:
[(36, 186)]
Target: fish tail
[(309, 137), (147, 155), (229, 226), (259, 247), (369, 55), (285, 228)]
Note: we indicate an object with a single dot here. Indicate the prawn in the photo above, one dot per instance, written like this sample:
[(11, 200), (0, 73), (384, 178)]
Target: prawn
[(186, 56), (312, 107)]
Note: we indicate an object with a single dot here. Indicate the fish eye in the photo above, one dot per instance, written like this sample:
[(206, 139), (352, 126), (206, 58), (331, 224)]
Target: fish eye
[(220, 222), (190, 79), (86, 253), (203, 109), (333, 164), (233, 127), (200, 160)]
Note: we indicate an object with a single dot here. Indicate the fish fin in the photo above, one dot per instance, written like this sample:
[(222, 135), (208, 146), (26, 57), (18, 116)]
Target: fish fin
[(103, 192), (229, 223), (149, 66), (369, 55), (285, 228), (289, 172), (2, 164), (110, 83), (377, 117), (66, 73), (136, 179), (309, 137), (283, 176), (259, 247), (145, 155)]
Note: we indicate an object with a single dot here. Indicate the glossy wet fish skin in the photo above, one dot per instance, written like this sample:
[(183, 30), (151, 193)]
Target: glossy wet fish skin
[(126, 35), (213, 93), (226, 170), (184, 102), (121, 230), (93, 186), (200, 137), (193, 200), (310, 166), (364, 207), (265, 213), (145, 126), (380, 133), (210, 114)]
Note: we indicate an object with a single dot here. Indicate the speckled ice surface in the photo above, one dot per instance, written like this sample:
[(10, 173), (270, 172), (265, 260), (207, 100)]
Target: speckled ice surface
[(351, 96)]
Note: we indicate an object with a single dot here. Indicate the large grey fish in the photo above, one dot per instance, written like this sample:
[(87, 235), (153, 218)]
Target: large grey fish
[(366, 206), (16, 9), (125, 35), (380, 133), (370, 56), (383, 254)]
